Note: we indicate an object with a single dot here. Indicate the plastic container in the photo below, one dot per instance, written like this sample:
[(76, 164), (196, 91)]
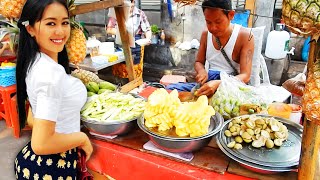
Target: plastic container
[(277, 43), (296, 113), (7, 77), (280, 110)]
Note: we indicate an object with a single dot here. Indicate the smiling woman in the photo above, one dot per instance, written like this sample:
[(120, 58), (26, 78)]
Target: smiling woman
[(43, 76)]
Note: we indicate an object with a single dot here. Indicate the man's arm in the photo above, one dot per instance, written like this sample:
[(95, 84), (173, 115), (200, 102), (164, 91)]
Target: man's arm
[(246, 54), (202, 75)]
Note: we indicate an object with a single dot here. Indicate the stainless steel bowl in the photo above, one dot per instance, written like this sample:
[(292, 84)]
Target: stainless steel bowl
[(177, 144), (109, 128)]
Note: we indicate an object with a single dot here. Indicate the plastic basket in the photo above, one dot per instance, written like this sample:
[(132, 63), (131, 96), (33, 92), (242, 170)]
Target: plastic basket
[(7, 77)]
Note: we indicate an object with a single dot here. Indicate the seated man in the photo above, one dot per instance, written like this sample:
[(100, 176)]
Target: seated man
[(224, 46), (138, 23)]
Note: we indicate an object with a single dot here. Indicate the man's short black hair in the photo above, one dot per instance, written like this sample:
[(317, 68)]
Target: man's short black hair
[(222, 4)]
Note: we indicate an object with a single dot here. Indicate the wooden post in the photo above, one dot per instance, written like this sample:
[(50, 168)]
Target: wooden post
[(311, 135), (250, 5), (125, 41)]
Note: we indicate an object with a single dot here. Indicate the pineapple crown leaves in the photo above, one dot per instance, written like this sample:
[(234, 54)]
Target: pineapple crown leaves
[(10, 29), (73, 22)]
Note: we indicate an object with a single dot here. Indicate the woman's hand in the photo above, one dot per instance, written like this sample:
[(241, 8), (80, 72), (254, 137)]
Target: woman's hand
[(202, 76), (209, 88), (87, 147)]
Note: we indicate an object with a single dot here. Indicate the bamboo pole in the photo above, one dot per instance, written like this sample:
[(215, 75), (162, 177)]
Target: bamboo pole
[(311, 133), (120, 14)]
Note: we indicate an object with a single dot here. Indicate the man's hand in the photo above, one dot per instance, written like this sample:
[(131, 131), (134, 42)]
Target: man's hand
[(202, 76), (209, 88)]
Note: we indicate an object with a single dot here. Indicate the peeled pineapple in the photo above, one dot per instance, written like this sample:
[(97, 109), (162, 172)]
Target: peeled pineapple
[(165, 111), (311, 96), (11, 8), (85, 76), (302, 16)]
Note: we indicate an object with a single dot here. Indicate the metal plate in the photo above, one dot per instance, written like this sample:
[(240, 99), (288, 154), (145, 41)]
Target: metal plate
[(285, 156), (255, 167)]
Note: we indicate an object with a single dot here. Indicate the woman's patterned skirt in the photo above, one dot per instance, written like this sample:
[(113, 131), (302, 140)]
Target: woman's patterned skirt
[(62, 166)]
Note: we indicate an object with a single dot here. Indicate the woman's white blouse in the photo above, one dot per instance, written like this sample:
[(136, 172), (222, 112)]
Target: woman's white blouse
[(54, 95)]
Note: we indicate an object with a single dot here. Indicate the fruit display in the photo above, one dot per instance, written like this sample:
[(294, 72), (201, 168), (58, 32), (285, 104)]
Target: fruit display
[(77, 44), (258, 130), (113, 106), (11, 8), (85, 76), (164, 111), (99, 88), (5, 65), (301, 16), (311, 96)]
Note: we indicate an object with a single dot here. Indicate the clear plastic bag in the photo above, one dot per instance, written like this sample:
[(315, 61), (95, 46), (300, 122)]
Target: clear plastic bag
[(233, 95), (296, 85)]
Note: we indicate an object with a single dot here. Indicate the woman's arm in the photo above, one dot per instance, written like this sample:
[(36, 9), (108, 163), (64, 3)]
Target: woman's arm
[(46, 141)]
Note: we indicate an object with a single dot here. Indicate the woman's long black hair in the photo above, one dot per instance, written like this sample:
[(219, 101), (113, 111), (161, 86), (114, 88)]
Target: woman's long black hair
[(28, 49)]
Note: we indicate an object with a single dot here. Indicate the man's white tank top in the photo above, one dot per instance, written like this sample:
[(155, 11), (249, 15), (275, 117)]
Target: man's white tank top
[(215, 57)]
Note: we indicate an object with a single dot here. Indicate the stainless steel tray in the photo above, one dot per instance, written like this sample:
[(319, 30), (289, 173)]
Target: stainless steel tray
[(256, 167), (285, 156)]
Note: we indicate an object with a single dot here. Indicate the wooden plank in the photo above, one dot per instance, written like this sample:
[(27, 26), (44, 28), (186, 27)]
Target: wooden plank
[(131, 85), (311, 133), (125, 41), (235, 168), (94, 6), (250, 5)]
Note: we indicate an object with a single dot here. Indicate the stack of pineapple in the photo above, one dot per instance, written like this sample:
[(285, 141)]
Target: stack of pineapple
[(303, 17)]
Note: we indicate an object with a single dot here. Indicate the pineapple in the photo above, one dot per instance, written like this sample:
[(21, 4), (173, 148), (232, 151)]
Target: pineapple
[(11, 8), (11, 29), (302, 16), (76, 44), (311, 96), (85, 76)]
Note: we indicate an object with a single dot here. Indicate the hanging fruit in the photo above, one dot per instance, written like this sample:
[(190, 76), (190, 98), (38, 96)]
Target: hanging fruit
[(11, 8), (302, 16), (76, 44)]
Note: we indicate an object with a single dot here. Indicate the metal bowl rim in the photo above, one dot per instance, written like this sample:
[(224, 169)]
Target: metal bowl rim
[(252, 165), (209, 134)]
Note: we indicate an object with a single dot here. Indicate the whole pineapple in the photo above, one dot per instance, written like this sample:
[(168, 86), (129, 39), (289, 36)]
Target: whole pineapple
[(311, 96), (76, 44), (11, 8), (85, 76), (302, 16)]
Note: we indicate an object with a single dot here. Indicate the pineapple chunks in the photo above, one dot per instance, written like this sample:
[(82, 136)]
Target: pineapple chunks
[(164, 110)]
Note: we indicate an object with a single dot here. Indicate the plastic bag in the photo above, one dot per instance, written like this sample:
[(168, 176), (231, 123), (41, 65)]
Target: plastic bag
[(233, 96), (296, 85)]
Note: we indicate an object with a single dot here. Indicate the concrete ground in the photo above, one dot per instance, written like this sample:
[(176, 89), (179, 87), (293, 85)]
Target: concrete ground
[(9, 148)]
